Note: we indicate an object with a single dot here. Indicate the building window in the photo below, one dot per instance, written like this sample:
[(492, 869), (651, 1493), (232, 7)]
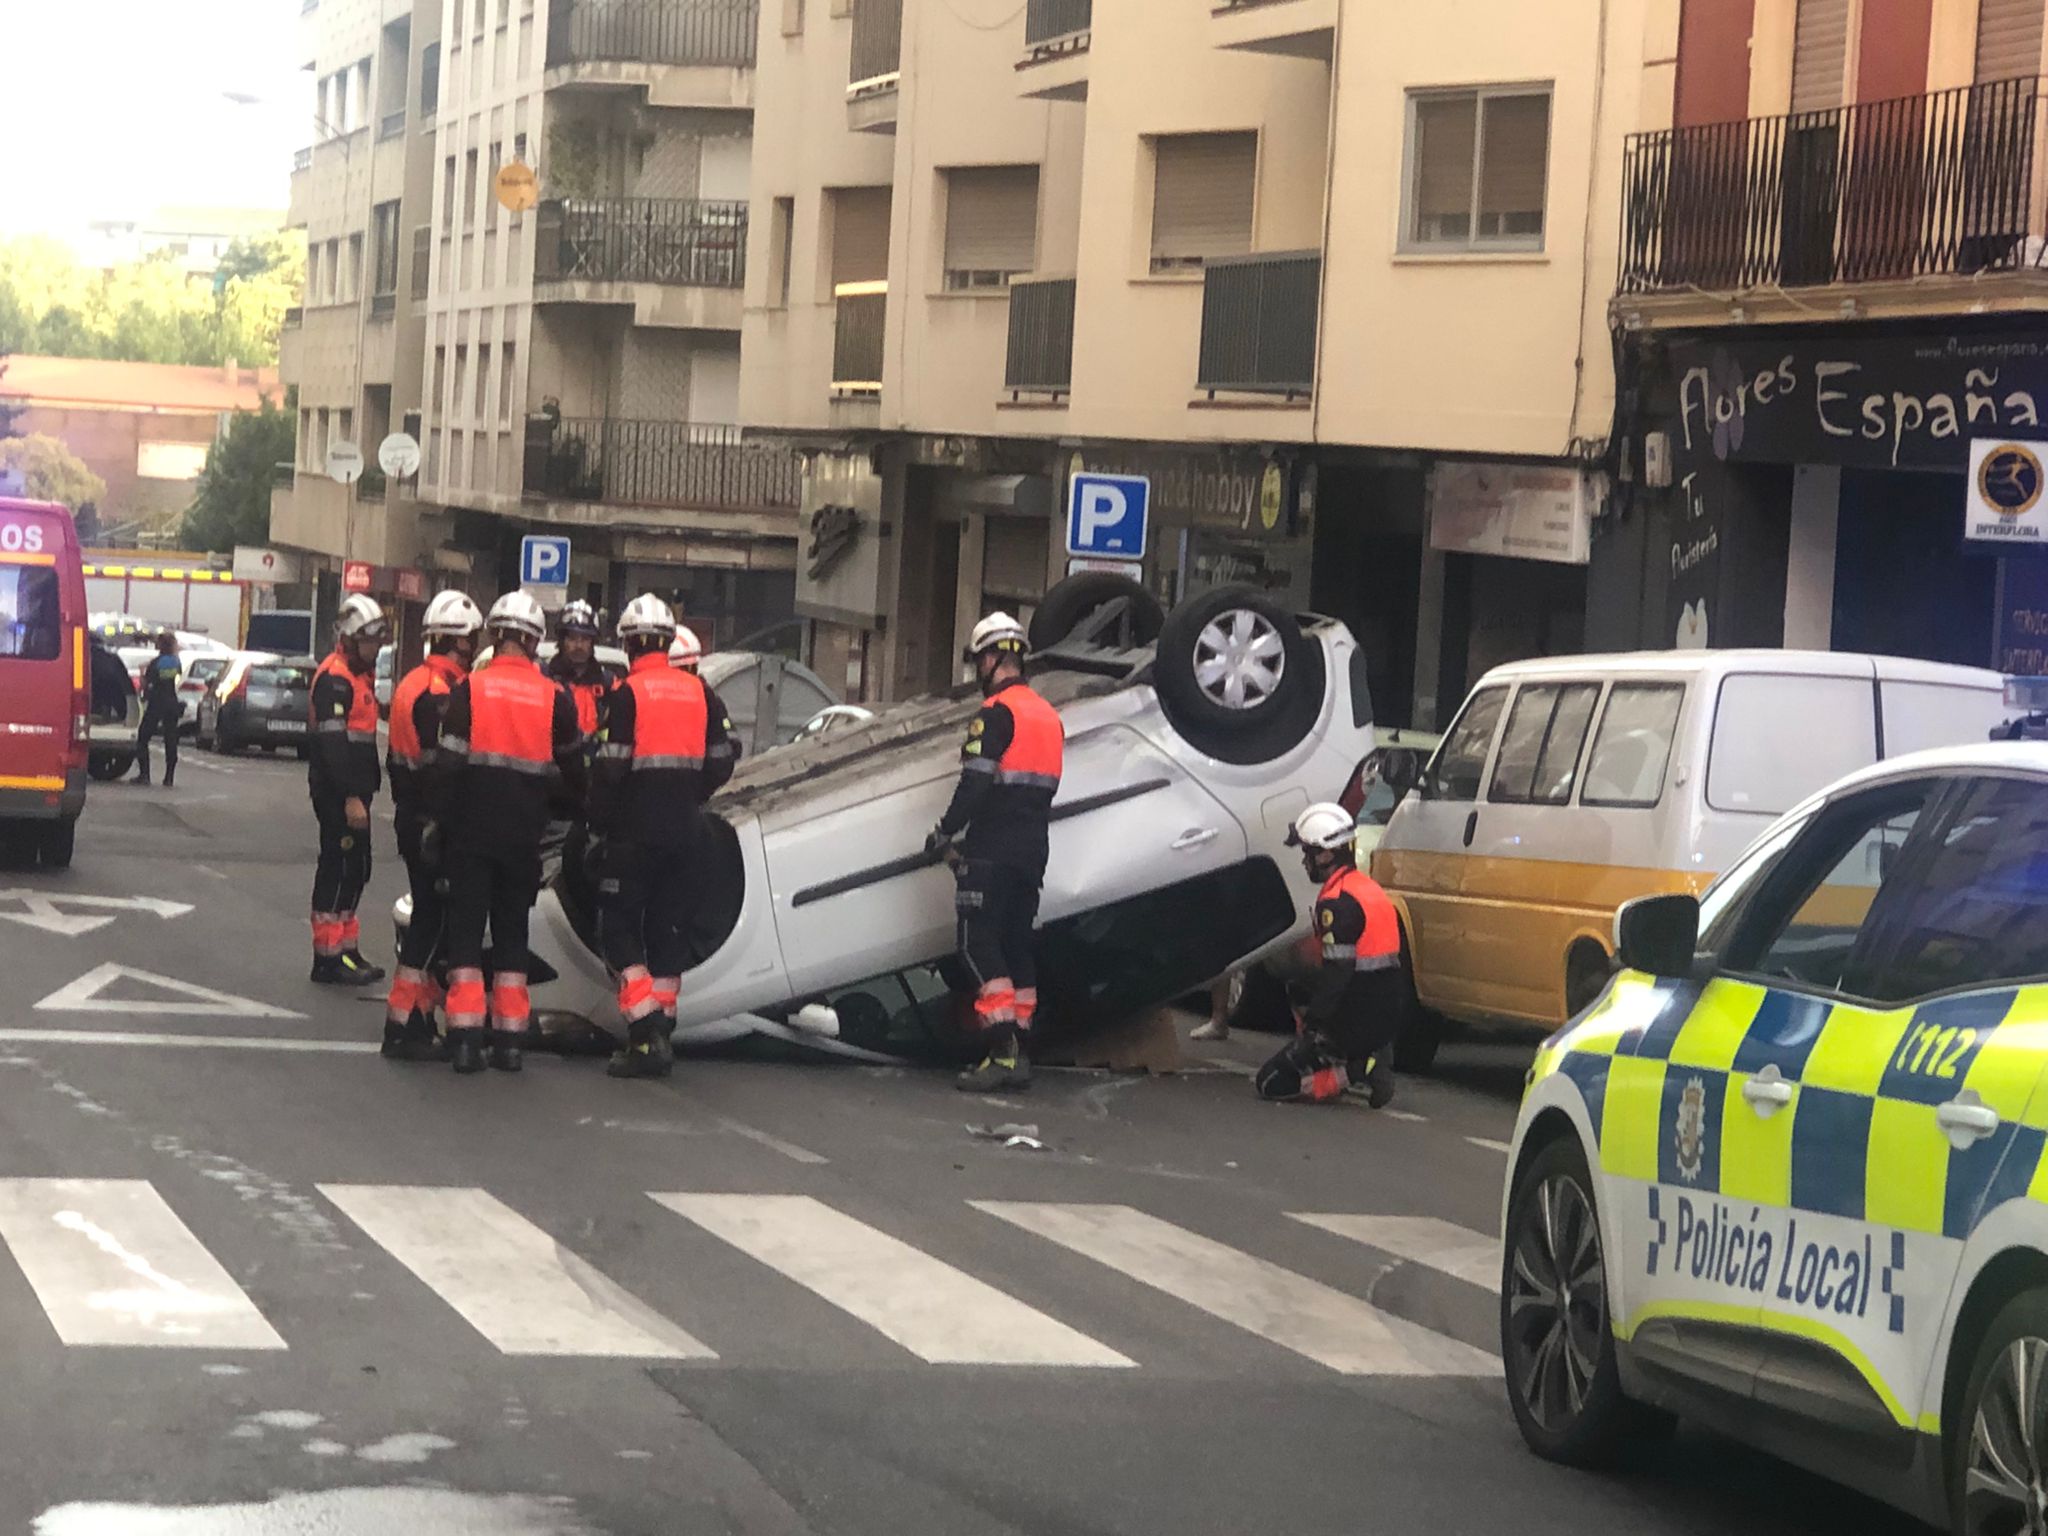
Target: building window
[(430, 80), (1477, 162), (507, 356), (448, 194), (438, 401), (312, 274), (461, 397), (385, 225), (333, 290), (483, 379), (497, 165), (306, 437), (355, 268), (781, 242), (469, 189), (519, 148), (1203, 186), (991, 224)]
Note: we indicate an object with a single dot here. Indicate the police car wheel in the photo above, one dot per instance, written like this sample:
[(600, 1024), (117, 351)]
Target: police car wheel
[(1999, 1468), (1557, 1343)]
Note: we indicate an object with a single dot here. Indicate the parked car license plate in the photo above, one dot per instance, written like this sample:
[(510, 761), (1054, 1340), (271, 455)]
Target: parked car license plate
[(288, 727)]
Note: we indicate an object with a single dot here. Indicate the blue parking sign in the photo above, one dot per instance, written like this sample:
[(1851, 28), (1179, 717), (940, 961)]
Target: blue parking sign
[(543, 561), (1106, 515)]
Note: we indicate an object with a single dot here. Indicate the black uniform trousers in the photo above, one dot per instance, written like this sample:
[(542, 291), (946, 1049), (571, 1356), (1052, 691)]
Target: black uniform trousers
[(644, 906), (425, 933), (159, 720), (997, 908), (1369, 1020), (494, 887), (344, 866)]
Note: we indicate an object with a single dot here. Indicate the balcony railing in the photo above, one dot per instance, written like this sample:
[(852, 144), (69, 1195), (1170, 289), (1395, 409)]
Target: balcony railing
[(1259, 323), (1041, 354), (861, 313), (703, 32), (692, 241), (1919, 186), (1050, 22), (657, 463), (302, 159), (877, 53)]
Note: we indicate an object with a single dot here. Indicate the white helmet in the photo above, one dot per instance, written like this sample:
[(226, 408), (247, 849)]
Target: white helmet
[(452, 614), (997, 632), (1326, 825), (359, 617), (647, 617), (685, 650), (518, 613)]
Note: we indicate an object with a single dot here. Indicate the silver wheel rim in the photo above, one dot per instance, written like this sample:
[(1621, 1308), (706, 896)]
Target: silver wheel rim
[(1240, 659), (2004, 1491), (1556, 1303)]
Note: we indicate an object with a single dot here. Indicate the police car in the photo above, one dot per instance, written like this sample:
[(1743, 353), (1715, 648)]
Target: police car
[(1786, 1176)]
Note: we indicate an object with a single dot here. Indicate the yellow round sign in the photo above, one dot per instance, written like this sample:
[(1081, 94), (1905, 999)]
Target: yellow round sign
[(1272, 494), (517, 188)]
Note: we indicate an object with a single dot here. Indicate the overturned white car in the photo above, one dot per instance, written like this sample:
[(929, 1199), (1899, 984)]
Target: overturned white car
[(1193, 740)]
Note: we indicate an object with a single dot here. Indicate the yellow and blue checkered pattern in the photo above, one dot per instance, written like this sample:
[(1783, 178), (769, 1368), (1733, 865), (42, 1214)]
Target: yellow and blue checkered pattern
[(1859, 1139)]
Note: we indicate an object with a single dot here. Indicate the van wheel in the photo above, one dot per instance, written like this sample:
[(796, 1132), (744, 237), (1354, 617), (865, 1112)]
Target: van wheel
[(1586, 972), (1072, 603), (57, 841), (1420, 1039), (109, 766), (2001, 1434), (1237, 677)]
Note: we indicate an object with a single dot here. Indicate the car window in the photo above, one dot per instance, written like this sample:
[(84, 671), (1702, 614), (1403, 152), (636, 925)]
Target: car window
[(1751, 766), (1632, 748), (1455, 771), (1922, 715), (1539, 751), (206, 668), (281, 677), (31, 628), (1975, 911)]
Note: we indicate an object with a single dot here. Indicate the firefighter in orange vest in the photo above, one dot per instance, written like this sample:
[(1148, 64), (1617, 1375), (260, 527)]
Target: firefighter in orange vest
[(1000, 819), (667, 748), (452, 626), (574, 664), (1355, 1011), (343, 777), (508, 731)]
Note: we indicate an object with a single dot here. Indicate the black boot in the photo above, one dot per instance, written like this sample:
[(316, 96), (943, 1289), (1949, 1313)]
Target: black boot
[(327, 971), (414, 1040), (466, 1050), (1005, 1066), (1379, 1080), (357, 971), (505, 1053), (647, 1052)]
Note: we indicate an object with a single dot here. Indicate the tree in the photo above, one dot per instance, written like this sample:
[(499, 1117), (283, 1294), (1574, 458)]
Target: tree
[(50, 471), (232, 502)]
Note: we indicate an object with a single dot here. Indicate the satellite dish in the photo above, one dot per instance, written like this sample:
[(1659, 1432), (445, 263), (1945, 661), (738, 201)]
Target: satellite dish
[(344, 462), (399, 456)]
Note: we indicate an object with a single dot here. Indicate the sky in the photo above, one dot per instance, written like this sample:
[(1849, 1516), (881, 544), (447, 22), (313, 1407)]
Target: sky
[(116, 107)]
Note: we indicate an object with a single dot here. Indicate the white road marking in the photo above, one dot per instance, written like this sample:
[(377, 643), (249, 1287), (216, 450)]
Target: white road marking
[(187, 1042), (1443, 1246), (1293, 1311), (112, 1264), (83, 996), (45, 910), (788, 1149), (1489, 1144), (514, 1284), (935, 1311), (1404, 1114)]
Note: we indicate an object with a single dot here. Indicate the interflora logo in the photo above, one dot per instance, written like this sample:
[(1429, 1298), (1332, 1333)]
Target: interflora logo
[(2009, 479)]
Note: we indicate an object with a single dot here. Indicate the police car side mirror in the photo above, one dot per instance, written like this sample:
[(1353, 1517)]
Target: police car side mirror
[(1658, 935)]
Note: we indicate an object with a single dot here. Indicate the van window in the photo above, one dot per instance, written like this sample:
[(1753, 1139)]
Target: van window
[(1633, 747), (1455, 771), (31, 628), (1539, 752), (1778, 737), (1922, 715)]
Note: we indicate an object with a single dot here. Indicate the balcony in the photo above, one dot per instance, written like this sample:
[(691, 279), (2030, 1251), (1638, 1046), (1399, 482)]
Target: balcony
[(657, 464), (1299, 29), (677, 261), (1880, 193), (1040, 359), (874, 65), (681, 53), (1259, 324), (1056, 38)]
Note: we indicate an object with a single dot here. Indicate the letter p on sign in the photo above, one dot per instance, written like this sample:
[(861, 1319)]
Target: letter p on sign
[(1106, 515)]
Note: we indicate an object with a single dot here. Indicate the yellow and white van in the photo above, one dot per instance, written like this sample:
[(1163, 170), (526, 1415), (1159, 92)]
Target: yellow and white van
[(1568, 786)]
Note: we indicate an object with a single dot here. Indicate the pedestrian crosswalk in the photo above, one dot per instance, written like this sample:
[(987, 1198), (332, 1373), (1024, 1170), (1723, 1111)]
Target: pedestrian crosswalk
[(112, 1263)]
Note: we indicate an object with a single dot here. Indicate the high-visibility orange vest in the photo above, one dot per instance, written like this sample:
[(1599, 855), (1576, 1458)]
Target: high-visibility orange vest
[(1379, 947), (1038, 745), (361, 722), (512, 716), (437, 674), (671, 720)]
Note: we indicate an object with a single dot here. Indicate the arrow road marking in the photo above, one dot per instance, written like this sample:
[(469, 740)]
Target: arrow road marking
[(41, 909), (83, 996)]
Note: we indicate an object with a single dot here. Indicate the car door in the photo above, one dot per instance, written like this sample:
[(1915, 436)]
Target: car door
[(1423, 859)]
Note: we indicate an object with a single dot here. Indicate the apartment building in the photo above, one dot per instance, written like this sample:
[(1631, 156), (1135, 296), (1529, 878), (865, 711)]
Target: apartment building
[(1830, 304), (1333, 274), (569, 362)]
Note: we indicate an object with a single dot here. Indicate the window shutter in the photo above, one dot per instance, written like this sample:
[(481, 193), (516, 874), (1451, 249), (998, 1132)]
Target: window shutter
[(2009, 38), (1516, 159), (1446, 140), (860, 235), (992, 218), (1820, 55), (1202, 195)]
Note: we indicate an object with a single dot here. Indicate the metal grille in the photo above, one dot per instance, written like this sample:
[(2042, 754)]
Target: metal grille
[(1041, 352), (857, 334), (653, 32), (1259, 323), (877, 41), (302, 159), (657, 463), (643, 240), (1048, 20), (1914, 187)]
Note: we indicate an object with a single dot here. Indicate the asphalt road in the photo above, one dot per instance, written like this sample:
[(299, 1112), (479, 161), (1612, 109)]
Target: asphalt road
[(291, 1288)]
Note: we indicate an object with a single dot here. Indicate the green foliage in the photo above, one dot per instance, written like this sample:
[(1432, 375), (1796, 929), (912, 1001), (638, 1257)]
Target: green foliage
[(151, 311), (232, 504), (50, 471)]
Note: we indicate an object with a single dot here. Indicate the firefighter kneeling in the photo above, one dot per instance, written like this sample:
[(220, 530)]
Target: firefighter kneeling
[(1354, 1014), (507, 731), (667, 748)]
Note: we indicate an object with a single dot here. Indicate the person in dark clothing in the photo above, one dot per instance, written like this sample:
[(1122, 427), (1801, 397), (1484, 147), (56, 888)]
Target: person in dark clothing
[(1359, 995), (1000, 819), (343, 777), (508, 731), (452, 625), (111, 689), (574, 664), (667, 748), (160, 708)]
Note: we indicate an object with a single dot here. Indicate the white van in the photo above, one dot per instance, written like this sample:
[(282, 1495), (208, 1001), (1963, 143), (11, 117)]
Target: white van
[(1571, 785)]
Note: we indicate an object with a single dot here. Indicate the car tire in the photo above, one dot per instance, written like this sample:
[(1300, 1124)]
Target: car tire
[(1237, 677), (1556, 1336), (57, 841), (2018, 1334), (1421, 1037), (1081, 595), (106, 767)]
